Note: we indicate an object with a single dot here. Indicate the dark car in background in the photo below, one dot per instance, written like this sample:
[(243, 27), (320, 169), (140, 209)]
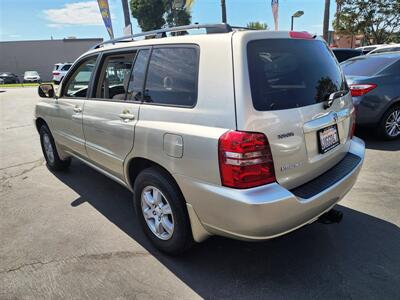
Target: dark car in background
[(8, 77), (374, 82), (343, 54)]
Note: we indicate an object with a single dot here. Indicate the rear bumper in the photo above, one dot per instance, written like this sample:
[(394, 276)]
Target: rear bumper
[(267, 211)]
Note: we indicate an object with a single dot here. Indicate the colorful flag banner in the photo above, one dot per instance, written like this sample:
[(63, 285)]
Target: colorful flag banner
[(189, 4), (105, 14), (275, 9)]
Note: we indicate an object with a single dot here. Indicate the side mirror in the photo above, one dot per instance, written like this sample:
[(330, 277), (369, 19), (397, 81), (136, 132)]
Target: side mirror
[(46, 90)]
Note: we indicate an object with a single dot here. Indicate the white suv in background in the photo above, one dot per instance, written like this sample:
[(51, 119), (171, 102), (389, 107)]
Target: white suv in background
[(60, 70)]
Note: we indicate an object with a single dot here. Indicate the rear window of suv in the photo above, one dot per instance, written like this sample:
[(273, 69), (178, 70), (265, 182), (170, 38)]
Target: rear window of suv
[(366, 66), (66, 67), (290, 73)]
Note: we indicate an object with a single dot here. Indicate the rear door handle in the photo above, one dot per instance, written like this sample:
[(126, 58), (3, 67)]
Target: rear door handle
[(127, 116), (77, 109)]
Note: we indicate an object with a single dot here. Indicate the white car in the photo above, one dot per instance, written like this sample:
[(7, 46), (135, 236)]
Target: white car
[(369, 48), (31, 76), (60, 70), (386, 48)]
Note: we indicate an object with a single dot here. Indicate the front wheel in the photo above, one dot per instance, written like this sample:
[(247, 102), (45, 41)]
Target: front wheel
[(161, 210), (389, 127), (53, 160)]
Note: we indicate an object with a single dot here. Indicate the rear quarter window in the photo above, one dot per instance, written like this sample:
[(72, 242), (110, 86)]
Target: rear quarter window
[(366, 66), (172, 76), (290, 73)]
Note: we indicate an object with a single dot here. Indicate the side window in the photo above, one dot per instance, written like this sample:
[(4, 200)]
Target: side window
[(65, 68), (78, 83), (114, 76), (136, 82), (172, 76)]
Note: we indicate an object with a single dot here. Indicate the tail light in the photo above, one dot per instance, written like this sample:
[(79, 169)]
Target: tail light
[(245, 159), (361, 89), (56, 73), (352, 126)]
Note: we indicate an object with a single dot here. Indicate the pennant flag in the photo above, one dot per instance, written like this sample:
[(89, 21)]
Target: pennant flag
[(189, 4), (275, 8), (105, 14)]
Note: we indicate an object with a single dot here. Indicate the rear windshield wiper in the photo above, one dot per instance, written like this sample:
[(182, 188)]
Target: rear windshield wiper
[(333, 97)]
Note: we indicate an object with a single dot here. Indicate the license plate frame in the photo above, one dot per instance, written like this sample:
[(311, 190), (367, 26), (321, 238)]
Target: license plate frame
[(323, 136)]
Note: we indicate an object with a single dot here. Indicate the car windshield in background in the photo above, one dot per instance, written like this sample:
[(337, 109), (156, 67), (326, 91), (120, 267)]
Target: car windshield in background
[(66, 68), (366, 66), (31, 73), (345, 54), (292, 73)]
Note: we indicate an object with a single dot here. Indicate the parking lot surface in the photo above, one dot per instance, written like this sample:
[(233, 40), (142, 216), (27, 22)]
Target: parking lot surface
[(74, 235)]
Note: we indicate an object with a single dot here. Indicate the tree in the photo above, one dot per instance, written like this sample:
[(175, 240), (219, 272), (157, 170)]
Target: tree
[(378, 20), (154, 14), (148, 13), (257, 25), (177, 16)]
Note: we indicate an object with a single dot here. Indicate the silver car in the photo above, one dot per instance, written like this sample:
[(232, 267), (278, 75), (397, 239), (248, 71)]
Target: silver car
[(240, 133)]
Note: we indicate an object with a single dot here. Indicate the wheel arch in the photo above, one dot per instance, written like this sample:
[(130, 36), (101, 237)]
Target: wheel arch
[(137, 164), (39, 122), (390, 105)]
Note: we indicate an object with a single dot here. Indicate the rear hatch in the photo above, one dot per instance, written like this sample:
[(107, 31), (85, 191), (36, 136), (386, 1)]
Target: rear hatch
[(283, 91)]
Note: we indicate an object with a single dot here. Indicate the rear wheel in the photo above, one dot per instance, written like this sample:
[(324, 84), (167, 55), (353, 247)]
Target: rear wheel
[(162, 212), (389, 127), (53, 160)]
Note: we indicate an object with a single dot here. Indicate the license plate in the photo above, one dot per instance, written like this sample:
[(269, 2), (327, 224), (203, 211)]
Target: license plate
[(328, 138)]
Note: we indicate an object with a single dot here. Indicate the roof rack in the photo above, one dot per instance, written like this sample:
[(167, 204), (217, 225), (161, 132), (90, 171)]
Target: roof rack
[(160, 33)]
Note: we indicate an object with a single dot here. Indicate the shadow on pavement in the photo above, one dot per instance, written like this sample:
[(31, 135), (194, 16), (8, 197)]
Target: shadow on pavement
[(371, 142), (358, 258)]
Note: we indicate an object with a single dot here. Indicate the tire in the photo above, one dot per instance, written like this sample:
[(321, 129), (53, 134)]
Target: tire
[(384, 130), (53, 160), (174, 241)]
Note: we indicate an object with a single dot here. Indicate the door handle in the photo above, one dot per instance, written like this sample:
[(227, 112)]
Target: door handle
[(126, 116), (77, 109)]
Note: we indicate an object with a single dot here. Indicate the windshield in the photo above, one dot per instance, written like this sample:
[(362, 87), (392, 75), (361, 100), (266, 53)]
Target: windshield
[(31, 73), (289, 73), (366, 66), (66, 67)]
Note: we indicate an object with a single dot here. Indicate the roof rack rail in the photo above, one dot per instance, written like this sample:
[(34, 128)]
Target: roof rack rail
[(160, 33)]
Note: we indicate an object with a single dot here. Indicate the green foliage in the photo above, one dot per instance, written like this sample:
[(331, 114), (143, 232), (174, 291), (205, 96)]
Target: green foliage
[(176, 16), (257, 25), (148, 13), (378, 20), (154, 14)]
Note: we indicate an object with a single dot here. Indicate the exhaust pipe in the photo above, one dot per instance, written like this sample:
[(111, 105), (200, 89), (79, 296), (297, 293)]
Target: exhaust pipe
[(330, 217)]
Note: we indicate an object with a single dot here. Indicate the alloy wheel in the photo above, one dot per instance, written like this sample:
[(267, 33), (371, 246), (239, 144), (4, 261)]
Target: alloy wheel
[(157, 212), (48, 148), (392, 125)]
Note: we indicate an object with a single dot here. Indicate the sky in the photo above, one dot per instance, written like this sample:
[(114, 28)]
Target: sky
[(43, 19)]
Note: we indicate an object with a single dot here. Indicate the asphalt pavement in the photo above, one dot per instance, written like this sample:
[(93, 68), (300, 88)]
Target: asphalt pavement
[(74, 235)]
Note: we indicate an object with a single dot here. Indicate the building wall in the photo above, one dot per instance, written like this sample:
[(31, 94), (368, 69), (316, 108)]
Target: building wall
[(347, 41), (20, 56)]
